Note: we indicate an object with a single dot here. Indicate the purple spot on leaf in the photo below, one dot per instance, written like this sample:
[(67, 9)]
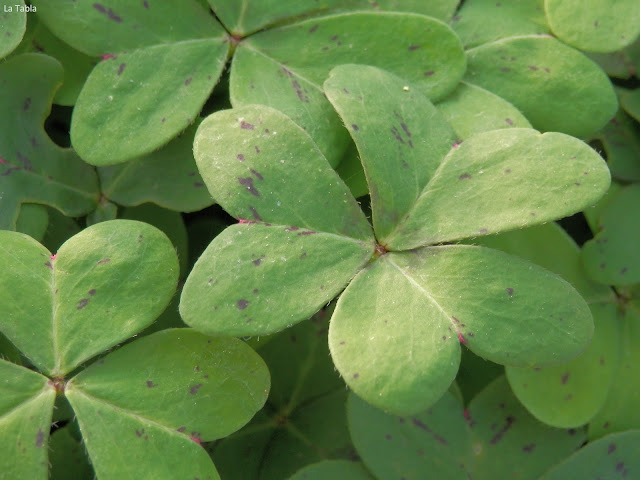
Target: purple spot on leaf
[(194, 389), (40, 438), (248, 183), (246, 126), (242, 304), (82, 303), (121, 68)]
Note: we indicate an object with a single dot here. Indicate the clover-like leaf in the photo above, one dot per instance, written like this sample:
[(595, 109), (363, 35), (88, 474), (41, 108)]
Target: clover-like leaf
[(284, 67), (103, 285), (260, 165), (620, 410), (615, 456), (494, 181), (611, 256), (508, 442), (167, 177), (594, 26), (111, 26), (12, 27), (471, 109), (440, 9), (26, 404), (483, 21), (429, 300), (32, 168), (530, 72), (436, 441), (158, 90)]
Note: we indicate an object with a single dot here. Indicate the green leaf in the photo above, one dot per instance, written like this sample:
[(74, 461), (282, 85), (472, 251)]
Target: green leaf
[(26, 404), (620, 411), (171, 223), (436, 441), (342, 469), (401, 125), (259, 165), (401, 352), (12, 27), (351, 172), (76, 64), (550, 247), (508, 442), (103, 213), (502, 180), (630, 101), (112, 26), (285, 67), (205, 387), (104, 285), (471, 109), (135, 102), (60, 229), (621, 141), (474, 374), (570, 395), (167, 177), (32, 168), (531, 73), (614, 456), (621, 64), (245, 17), (483, 21), (440, 9), (611, 256), (595, 26), (33, 220), (236, 286)]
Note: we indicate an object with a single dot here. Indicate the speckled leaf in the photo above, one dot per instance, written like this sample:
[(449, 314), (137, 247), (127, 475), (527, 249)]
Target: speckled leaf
[(620, 411), (104, 285), (596, 25), (112, 26), (77, 65), (402, 351), (611, 256), (13, 24), (259, 165), (135, 102), (471, 109), (550, 247), (531, 73), (569, 395), (198, 386), (307, 401), (508, 442), (171, 223), (502, 180), (421, 49), (400, 124), (32, 167), (342, 469), (167, 177), (236, 287), (615, 456), (257, 78), (621, 141), (435, 441), (441, 9), (630, 101), (483, 21), (33, 220), (67, 457), (26, 404)]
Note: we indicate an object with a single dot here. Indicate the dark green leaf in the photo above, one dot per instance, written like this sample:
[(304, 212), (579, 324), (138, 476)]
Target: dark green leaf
[(32, 168), (33, 220), (342, 469)]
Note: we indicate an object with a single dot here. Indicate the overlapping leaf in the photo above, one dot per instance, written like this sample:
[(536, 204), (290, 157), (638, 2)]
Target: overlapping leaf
[(26, 403), (530, 72), (594, 26), (621, 141), (114, 273), (342, 469), (260, 166), (32, 168), (285, 67)]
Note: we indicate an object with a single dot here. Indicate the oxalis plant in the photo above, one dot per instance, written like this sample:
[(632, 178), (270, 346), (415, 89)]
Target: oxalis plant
[(390, 175), (411, 296), (144, 409)]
